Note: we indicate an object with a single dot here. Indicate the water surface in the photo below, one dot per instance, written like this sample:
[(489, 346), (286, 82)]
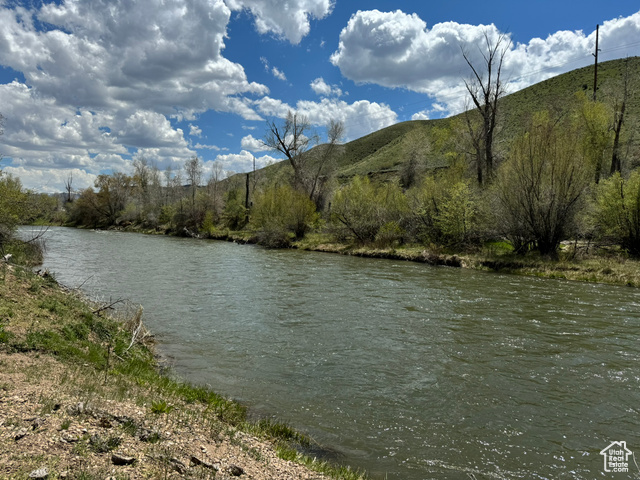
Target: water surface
[(407, 370)]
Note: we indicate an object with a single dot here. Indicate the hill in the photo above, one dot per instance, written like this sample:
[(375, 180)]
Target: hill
[(382, 153)]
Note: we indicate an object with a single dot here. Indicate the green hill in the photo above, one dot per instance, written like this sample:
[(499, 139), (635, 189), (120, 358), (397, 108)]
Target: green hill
[(382, 153)]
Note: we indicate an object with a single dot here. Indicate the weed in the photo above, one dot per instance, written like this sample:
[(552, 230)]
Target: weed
[(161, 406), (66, 423), (48, 405), (100, 444)]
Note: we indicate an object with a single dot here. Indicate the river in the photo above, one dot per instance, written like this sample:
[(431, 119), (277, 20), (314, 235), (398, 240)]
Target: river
[(406, 370)]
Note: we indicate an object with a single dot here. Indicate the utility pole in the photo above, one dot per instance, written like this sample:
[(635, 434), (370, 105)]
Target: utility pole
[(595, 70)]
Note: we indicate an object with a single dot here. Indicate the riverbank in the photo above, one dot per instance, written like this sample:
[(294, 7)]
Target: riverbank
[(611, 267), (590, 264), (82, 396)]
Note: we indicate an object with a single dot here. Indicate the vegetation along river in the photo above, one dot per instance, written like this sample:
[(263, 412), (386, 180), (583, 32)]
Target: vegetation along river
[(407, 370)]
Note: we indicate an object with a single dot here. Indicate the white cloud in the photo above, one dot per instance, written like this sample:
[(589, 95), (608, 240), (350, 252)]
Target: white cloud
[(129, 67), (207, 147), (243, 161), (278, 74), (253, 144), (195, 131), (51, 180), (397, 50), (288, 20), (421, 115), (320, 87), (360, 117)]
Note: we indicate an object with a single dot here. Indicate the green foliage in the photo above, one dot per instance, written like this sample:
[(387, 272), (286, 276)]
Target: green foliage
[(444, 208), (280, 212), (361, 208), (161, 406), (14, 206), (234, 215), (390, 234), (617, 212), (595, 132), (539, 187)]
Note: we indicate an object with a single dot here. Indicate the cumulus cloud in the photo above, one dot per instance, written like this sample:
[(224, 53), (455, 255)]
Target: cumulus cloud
[(397, 50), (207, 147), (360, 117), (289, 20), (253, 144), (195, 131), (320, 87), (243, 161), (51, 180), (129, 68)]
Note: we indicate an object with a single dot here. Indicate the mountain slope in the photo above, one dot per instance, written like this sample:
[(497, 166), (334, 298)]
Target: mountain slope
[(382, 153)]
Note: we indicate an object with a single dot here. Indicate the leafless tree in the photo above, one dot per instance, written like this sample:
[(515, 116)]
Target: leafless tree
[(193, 169), (294, 139), (620, 105), (485, 88), (68, 186)]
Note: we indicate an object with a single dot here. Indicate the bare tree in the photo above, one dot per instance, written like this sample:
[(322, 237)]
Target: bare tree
[(193, 169), (619, 118), (68, 186), (293, 138), (485, 88)]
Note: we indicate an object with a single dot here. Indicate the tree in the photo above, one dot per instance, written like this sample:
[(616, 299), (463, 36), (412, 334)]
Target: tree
[(68, 186), (595, 133), (617, 211), (539, 186), (293, 138), (361, 209), (193, 171), (620, 105), (444, 208), (112, 197), (485, 88), (280, 211), (14, 206)]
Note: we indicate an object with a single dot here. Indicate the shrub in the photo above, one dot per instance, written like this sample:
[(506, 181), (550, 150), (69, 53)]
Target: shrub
[(361, 208), (539, 186), (444, 209), (617, 210), (280, 212)]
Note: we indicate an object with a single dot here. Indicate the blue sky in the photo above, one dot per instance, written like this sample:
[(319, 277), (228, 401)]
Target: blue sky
[(87, 87)]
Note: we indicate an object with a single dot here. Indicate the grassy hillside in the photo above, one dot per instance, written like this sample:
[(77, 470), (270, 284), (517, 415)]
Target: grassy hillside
[(382, 153)]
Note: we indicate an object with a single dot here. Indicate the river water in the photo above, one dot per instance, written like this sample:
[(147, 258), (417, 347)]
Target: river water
[(407, 370)]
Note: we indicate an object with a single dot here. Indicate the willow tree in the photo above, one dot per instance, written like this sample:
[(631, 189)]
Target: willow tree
[(540, 185)]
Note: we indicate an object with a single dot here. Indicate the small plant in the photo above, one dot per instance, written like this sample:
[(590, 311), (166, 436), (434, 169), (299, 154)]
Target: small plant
[(100, 444), (66, 423), (161, 407)]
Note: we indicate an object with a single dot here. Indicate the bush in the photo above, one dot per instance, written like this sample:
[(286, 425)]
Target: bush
[(540, 185), (281, 212), (361, 208), (444, 209), (617, 211)]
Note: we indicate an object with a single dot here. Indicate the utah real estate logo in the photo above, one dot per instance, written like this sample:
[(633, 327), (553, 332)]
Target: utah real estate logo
[(616, 457)]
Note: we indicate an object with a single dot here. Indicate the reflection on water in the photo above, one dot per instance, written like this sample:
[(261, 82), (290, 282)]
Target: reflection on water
[(407, 370)]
